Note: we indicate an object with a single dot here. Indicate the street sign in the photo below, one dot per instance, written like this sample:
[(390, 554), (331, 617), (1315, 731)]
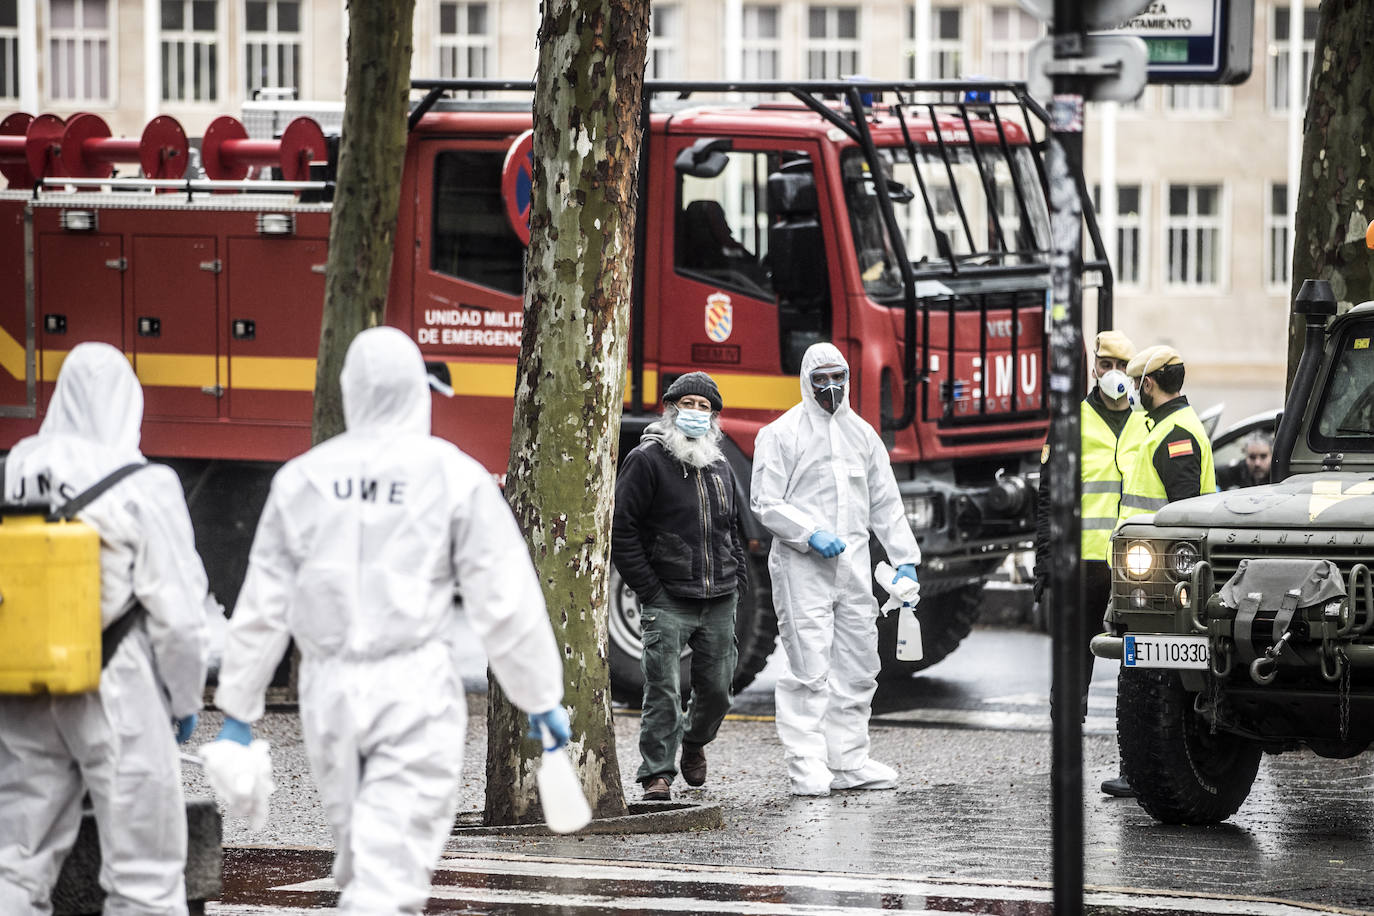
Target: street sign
[(1114, 65), (1097, 14), (1195, 41), (1189, 41)]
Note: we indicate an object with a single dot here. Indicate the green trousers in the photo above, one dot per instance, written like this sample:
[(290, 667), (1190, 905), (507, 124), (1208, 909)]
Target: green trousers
[(670, 625)]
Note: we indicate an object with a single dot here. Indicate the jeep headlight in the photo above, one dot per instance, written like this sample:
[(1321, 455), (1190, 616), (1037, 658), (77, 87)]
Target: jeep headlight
[(920, 512), (1183, 556), (1140, 559)]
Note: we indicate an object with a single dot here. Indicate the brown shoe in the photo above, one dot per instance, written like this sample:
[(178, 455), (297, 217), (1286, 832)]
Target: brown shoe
[(658, 789), (693, 764)]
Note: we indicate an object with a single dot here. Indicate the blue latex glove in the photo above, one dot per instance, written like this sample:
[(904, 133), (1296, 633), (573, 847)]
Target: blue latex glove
[(826, 544), (234, 730), (185, 727), (906, 569), (556, 721)]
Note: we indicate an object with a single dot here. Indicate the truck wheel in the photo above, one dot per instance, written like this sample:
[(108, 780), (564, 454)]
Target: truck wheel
[(626, 643), (946, 618), (762, 623), (1181, 772)]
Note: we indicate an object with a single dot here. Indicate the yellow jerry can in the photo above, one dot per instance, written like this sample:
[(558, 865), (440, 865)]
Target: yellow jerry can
[(49, 606)]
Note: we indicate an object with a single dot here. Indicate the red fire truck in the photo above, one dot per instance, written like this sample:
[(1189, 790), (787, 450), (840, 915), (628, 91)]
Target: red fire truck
[(905, 222)]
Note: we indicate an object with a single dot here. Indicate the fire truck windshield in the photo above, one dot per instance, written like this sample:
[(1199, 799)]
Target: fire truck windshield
[(1001, 221)]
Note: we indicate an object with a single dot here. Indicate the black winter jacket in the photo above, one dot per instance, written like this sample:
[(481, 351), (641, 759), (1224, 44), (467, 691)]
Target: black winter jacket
[(676, 527)]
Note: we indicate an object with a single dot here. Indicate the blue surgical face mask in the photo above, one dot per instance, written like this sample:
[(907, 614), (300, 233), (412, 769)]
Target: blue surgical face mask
[(693, 423)]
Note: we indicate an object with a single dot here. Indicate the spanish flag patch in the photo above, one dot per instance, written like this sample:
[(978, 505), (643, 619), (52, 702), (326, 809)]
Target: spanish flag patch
[(1180, 448)]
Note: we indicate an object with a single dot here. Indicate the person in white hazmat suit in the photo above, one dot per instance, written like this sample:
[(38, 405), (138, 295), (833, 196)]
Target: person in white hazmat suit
[(821, 482), (116, 743), (356, 556)]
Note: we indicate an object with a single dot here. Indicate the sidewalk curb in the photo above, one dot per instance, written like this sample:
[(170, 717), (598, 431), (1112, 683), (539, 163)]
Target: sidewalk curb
[(644, 817)]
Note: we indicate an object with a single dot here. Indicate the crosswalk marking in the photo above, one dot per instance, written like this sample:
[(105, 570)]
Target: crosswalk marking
[(722, 890), (1000, 720)]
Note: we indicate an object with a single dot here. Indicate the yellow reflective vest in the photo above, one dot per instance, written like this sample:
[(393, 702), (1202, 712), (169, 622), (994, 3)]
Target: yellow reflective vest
[(1142, 490), (1103, 468)]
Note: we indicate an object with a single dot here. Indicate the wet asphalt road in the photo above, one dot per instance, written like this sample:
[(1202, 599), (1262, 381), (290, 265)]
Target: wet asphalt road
[(967, 830)]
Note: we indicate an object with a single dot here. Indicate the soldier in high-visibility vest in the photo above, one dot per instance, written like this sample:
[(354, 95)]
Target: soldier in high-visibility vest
[(1173, 460), (1171, 453), (1108, 426)]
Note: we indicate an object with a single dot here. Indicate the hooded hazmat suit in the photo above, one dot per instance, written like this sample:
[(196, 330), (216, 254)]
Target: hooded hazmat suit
[(116, 742), (356, 556), (817, 471)]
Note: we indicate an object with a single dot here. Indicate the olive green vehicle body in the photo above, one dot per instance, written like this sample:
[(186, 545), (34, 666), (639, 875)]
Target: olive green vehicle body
[(1306, 680)]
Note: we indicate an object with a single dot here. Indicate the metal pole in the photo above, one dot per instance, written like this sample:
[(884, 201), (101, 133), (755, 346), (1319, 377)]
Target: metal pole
[(1065, 161)]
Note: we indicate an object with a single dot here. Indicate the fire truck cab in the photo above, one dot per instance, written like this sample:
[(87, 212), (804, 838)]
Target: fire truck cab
[(905, 222)]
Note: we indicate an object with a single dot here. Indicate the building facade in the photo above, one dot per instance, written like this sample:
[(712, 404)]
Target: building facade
[(1200, 230)]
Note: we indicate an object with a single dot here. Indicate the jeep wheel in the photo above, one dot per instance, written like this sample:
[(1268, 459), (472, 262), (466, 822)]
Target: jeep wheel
[(1181, 772), (946, 618), (755, 632)]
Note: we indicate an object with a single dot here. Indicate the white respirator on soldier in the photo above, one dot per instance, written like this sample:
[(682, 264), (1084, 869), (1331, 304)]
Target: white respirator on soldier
[(1116, 384)]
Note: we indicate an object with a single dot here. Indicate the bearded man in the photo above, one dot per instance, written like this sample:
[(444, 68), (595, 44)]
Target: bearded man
[(676, 542)]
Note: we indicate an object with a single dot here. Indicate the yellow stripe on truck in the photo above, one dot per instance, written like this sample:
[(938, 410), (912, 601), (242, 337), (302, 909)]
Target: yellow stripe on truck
[(272, 373), (168, 370), (740, 391), (757, 392), (12, 356)]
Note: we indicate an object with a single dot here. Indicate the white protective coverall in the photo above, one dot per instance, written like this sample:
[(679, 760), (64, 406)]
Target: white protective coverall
[(356, 556), (116, 742), (814, 471)]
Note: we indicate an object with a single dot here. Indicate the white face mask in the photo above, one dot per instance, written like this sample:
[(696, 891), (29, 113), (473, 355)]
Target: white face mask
[(1116, 384)]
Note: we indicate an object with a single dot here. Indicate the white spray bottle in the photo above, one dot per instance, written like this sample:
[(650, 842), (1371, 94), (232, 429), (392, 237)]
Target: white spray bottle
[(560, 794)]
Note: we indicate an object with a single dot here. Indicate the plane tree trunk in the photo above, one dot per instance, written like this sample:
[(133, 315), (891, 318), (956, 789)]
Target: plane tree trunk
[(362, 229), (571, 377), (1336, 192)]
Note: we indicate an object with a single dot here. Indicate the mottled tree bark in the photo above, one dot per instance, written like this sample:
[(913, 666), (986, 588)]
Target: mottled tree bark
[(1336, 192), (571, 376), (362, 232)]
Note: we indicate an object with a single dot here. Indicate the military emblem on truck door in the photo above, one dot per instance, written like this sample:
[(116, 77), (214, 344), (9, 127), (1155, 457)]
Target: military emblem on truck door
[(719, 317)]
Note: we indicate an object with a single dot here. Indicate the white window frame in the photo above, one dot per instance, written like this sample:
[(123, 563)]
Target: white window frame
[(449, 49), (273, 39), (1005, 58), (832, 50), (9, 75), (1196, 100), (947, 55), (189, 37), (1278, 240), (1276, 79), (1140, 107), (1133, 226), (667, 25), (1193, 228), (756, 48), (81, 37)]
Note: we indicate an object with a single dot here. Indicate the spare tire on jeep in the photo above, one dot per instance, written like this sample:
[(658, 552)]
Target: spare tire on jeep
[(1181, 770)]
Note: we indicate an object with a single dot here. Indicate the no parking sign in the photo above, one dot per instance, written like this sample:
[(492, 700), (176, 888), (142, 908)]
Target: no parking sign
[(517, 179)]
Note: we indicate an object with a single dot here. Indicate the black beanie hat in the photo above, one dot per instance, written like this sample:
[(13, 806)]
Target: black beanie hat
[(698, 383)]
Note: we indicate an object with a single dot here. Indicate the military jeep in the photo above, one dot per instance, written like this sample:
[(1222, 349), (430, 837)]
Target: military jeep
[(1243, 620)]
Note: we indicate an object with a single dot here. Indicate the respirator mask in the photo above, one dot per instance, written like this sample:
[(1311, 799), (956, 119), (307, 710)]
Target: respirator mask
[(1116, 384), (828, 387)]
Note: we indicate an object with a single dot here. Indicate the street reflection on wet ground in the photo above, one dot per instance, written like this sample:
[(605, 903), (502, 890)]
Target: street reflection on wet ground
[(282, 881)]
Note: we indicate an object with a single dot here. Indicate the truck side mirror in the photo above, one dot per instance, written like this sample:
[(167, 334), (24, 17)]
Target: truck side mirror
[(705, 158)]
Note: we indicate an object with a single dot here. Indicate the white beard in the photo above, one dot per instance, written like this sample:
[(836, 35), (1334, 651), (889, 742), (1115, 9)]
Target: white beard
[(697, 453)]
